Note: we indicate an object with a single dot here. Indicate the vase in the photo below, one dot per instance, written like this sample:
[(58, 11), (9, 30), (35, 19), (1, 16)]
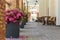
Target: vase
[(12, 30)]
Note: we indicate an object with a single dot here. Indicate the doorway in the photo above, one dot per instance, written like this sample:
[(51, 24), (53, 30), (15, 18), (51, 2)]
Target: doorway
[(33, 13), (33, 16)]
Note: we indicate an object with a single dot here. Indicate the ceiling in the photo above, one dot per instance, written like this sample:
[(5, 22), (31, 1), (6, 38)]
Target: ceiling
[(32, 2)]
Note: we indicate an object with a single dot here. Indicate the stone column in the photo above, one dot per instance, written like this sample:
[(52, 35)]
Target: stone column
[(17, 3), (21, 4), (58, 13), (2, 20), (23, 7)]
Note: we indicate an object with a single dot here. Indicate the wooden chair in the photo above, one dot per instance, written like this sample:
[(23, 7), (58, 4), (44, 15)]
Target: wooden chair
[(39, 19), (52, 20)]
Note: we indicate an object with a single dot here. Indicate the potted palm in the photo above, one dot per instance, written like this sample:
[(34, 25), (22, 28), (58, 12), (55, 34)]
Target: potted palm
[(13, 17)]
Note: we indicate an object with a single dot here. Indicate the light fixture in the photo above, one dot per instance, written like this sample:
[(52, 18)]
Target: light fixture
[(36, 1), (27, 0)]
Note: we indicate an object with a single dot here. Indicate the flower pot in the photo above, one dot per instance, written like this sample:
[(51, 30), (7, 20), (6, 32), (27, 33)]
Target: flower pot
[(12, 30), (25, 22), (22, 25)]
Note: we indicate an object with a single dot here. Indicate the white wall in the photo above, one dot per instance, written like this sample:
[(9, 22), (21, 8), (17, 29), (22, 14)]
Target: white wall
[(47, 7), (43, 7), (52, 8)]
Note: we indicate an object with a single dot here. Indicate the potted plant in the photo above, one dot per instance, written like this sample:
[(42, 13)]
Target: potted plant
[(13, 17), (24, 20), (23, 23)]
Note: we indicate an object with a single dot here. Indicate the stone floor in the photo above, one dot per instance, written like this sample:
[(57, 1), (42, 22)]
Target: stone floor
[(37, 31)]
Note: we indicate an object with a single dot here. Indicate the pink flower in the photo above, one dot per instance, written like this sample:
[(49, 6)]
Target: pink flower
[(6, 13), (14, 16), (18, 14), (7, 17), (20, 23), (11, 13), (13, 10), (11, 19), (15, 21), (6, 22), (22, 14)]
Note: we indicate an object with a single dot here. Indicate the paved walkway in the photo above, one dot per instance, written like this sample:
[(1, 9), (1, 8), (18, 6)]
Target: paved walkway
[(37, 31)]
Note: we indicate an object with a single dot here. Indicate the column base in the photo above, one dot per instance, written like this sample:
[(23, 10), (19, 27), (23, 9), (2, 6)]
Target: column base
[(57, 25)]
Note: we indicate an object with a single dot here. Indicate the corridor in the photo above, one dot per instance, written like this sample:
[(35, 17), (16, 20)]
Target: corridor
[(37, 31), (15, 13)]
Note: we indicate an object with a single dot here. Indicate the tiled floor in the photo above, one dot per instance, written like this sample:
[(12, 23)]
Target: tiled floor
[(37, 31)]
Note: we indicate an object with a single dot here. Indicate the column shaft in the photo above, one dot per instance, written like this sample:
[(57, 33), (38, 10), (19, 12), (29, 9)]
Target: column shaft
[(2, 20)]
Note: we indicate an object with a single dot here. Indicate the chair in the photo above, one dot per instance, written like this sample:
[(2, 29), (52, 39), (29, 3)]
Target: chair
[(52, 20)]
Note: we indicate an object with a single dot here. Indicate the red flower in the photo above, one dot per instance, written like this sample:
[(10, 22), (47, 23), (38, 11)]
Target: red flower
[(11, 19), (15, 21), (14, 15), (18, 14), (7, 17)]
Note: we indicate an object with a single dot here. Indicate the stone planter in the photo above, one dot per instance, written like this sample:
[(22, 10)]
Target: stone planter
[(12, 30)]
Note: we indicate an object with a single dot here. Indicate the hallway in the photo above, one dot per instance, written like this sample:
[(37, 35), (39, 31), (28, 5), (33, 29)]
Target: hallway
[(37, 31), (18, 12)]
